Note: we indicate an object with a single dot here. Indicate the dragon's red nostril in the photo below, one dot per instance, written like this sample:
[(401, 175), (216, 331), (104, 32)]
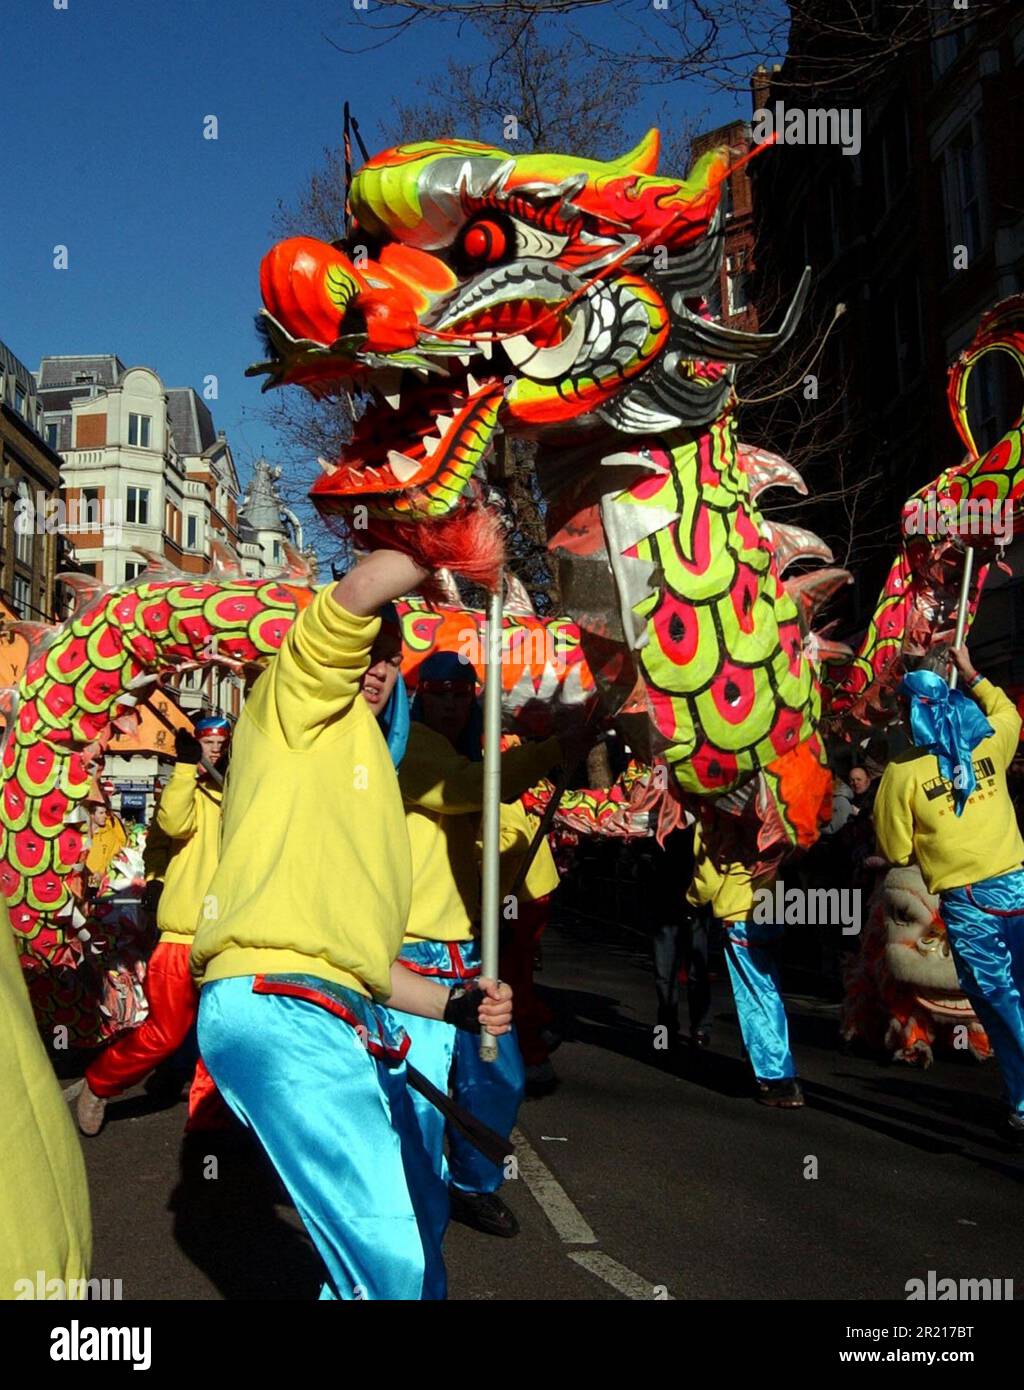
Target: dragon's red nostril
[(390, 324)]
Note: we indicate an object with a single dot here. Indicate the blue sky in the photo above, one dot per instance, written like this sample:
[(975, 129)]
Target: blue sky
[(103, 135)]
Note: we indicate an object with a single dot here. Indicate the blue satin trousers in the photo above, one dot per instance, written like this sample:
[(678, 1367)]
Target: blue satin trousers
[(450, 1058), (337, 1123), (755, 990), (989, 953)]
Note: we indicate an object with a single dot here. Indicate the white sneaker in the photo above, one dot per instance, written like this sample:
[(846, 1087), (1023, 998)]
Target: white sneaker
[(90, 1111)]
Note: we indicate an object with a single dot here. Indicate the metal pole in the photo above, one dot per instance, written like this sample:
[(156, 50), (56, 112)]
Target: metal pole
[(491, 891), (963, 609)]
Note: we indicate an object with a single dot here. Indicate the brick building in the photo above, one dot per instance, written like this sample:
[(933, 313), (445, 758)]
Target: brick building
[(30, 545), (732, 302)]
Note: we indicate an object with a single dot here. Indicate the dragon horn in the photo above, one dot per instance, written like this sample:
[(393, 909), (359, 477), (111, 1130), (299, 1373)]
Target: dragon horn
[(157, 566), (765, 469), (810, 591), (296, 565), (84, 588), (792, 543)]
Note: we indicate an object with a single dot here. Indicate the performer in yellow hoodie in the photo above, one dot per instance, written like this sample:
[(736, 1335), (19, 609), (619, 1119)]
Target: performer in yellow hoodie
[(441, 779), (308, 906), (753, 974), (945, 803), (189, 817), (45, 1230)]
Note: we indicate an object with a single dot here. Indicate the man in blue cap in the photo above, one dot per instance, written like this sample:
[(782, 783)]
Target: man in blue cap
[(945, 803)]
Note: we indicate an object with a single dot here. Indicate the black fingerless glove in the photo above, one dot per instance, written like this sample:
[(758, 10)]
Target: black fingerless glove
[(187, 749), (151, 896), (462, 1009)]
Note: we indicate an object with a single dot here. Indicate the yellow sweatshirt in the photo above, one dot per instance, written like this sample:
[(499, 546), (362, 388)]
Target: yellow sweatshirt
[(914, 815), (189, 815), (443, 795), (44, 1201), (105, 844), (729, 890), (314, 873), (518, 828)]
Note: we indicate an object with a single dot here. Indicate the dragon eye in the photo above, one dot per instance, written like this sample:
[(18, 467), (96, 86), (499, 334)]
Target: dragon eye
[(485, 242)]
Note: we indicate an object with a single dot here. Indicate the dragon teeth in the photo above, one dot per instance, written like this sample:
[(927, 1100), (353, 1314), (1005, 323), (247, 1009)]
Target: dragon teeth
[(328, 468), (472, 385), (402, 465), (431, 444), (464, 358), (486, 347), (443, 423)]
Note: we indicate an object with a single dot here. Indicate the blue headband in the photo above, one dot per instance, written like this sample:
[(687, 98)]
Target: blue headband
[(949, 724), (211, 721)]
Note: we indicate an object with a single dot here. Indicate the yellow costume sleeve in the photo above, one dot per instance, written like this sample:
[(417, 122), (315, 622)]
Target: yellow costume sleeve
[(176, 814), (1002, 714), (437, 778)]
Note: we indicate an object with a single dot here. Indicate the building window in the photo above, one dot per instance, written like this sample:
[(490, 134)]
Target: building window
[(191, 533), (138, 430), (19, 398), (25, 524), (908, 331), (947, 47), (896, 154), (277, 552), (138, 506), (962, 177), (726, 204), (132, 570), (736, 283), (985, 407), (52, 434), (22, 595)]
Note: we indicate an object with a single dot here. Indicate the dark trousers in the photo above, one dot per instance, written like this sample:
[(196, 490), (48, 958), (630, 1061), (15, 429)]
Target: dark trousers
[(683, 943)]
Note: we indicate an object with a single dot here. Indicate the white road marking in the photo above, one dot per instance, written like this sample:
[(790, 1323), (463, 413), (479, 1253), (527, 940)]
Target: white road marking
[(570, 1225), (617, 1275), (550, 1195)]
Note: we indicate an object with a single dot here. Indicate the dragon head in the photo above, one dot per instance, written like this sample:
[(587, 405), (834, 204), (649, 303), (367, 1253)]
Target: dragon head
[(480, 291)]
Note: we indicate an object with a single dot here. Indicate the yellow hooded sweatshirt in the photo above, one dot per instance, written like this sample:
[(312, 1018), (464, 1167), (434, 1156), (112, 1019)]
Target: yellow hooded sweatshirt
[(314, 873), (518, 828), (105, 844), (443, 793), (189, 815), (729, 890), (914, 815), (44, 1201)]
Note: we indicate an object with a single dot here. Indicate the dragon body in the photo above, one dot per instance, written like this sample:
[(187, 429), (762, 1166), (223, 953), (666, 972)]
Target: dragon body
[(972, 504)]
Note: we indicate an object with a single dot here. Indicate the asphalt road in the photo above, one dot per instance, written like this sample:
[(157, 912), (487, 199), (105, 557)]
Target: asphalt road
[(644, 1175)]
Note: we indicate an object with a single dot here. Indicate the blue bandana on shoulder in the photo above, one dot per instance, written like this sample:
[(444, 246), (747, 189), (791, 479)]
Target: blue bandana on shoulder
[(949, 724), (394, 722)]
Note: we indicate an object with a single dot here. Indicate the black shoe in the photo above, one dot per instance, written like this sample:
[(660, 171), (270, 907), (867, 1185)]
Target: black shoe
[(1012, 1130), (784, 1094), (541, 1079), (164, 1086), (484, 1211), (700, 1041)]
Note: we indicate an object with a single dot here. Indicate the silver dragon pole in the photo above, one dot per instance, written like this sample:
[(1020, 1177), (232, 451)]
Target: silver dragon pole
[(963, 608), (491, 892)]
